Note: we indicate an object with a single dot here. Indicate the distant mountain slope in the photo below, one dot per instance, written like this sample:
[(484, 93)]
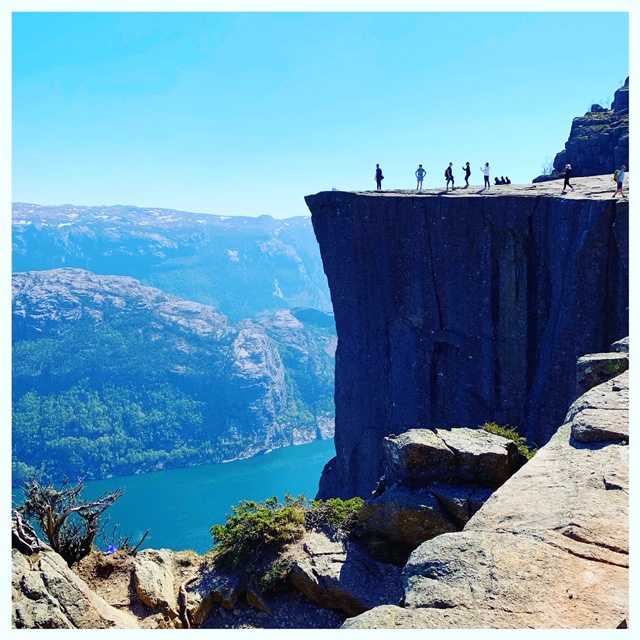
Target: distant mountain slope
[(242, 266), (113, 377)]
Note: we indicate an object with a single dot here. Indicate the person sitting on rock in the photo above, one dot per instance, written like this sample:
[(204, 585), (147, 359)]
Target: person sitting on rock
[(502, 180), (497, 180), (506, 180)]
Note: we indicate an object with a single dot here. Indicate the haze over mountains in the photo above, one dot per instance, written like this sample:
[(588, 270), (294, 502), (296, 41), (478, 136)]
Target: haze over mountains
[(122, 364)]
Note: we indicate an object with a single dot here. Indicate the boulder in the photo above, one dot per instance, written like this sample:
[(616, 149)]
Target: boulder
[(420, 456), (596, 368), (47, 594), (154, 581), (213, 588), (341, 575), (406, 515)]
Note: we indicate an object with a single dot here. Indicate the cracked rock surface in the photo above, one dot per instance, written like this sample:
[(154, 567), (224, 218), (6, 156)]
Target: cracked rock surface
[(549, 549)]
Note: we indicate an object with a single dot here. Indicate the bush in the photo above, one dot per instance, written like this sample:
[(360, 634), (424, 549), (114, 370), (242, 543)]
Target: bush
[(256, 528), (250, 541), (511, 434), (338, 514)]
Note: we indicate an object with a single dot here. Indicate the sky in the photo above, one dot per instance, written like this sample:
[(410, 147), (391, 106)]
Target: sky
[(246, 112)]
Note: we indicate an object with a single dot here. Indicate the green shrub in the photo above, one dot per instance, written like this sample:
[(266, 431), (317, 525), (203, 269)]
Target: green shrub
[(250, 541), (511, 434), (335, 513), (256, 528)]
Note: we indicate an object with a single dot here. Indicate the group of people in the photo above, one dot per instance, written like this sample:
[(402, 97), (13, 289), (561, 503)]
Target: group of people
[(448, 174), (420, 173)]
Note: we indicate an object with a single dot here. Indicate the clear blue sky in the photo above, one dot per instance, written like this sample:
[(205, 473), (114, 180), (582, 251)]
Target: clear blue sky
[(246, 113)]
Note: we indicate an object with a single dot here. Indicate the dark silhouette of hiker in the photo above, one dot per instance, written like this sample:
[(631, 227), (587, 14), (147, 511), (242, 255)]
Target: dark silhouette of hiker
[(379, 178), (506, 179), (496, 181), (502, 180), (448, 174), (486, 170), (467, 173), (567, 175), (420, 174)]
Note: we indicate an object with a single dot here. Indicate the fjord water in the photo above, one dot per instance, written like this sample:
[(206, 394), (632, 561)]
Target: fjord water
[(179, 506)]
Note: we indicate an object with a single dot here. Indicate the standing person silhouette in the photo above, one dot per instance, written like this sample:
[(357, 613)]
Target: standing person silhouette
[(379, 178), (620, 182), (486, 170), (567, 175), (448, 174), (467, 173), (420, 174)]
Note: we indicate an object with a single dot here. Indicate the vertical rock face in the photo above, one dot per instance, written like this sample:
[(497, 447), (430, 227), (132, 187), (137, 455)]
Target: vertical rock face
[(453, 311)]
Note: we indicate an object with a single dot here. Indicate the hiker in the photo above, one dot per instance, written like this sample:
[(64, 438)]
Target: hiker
[(420, 174), (496, 181), (619, 178), (448, 174), (567, 175), (467, 173), (506, 180), (379, 178), (485, 170)]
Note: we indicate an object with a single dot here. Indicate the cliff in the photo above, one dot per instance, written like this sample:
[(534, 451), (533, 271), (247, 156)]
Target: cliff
[(453, 310)]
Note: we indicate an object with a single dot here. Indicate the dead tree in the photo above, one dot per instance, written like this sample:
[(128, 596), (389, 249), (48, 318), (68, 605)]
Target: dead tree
[(68, 522)]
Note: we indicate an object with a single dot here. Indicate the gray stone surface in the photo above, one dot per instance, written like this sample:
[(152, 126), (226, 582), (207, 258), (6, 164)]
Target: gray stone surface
[(548, 549), (454, 310), (341, 575), (596, 368), (46, 594), (154, 581), (621, 346), (405, 515)]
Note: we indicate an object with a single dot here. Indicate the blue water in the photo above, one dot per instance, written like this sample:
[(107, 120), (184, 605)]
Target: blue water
[(181, 505)]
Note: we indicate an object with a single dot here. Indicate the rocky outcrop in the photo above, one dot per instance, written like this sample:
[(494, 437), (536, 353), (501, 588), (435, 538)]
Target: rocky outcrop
[(549, 549), (434, 482), (154, 583), (46, 594), (459, 309), (598, 141), (341, 575)]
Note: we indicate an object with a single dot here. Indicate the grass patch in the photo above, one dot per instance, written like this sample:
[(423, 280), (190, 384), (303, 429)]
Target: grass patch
[(511, 434)]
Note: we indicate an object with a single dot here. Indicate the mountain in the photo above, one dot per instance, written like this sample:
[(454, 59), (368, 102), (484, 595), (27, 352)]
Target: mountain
[(241, 266), (113, 377)]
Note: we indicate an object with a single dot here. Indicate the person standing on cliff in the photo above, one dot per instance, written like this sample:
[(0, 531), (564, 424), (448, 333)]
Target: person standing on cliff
[(486, 170), (567, 175), (467, 173), (379, 178), (448, 174), (620, 181), (420, 174)]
